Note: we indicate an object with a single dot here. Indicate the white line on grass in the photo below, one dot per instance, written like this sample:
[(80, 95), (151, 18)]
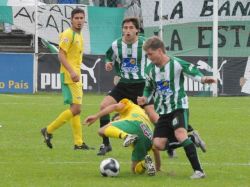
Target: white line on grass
[(12, 103), (24, 96), (179, 163)]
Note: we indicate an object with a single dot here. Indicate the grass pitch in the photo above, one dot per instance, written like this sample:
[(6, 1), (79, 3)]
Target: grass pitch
[(25, 160)]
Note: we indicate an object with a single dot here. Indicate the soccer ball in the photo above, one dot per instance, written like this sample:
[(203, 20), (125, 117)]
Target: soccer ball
[(109, 167)]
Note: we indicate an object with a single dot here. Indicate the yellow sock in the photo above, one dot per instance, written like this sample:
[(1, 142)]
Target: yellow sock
[(77, 130), (140, 167), (59, 121), (114, 132)]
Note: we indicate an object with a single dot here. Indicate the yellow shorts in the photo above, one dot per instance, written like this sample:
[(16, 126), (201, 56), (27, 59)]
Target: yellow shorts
[(72, 93)]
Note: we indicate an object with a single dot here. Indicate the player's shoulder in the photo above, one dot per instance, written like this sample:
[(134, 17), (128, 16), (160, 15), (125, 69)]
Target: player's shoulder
[(178, 60), (116, 41), (67, 33), (143, 38), (148, 68)]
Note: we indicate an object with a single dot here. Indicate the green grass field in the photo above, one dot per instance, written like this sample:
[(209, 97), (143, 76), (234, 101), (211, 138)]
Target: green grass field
[(25, 160)]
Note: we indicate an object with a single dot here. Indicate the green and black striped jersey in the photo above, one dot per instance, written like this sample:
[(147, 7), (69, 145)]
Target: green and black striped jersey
[(166, 85), (129, 60)]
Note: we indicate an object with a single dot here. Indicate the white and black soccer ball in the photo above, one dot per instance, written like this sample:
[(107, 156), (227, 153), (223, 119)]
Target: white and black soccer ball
[(109, 167)]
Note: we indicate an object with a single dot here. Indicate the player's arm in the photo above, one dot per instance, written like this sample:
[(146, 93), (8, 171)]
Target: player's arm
[(109, 109), (208, 79), (109, 59), (194, 73), (64, 46), (148, 92), (64, 62), (157, 158)]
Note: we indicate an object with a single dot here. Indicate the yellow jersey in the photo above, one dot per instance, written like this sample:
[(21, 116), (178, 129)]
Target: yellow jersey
[(133, 112), (72, 43)]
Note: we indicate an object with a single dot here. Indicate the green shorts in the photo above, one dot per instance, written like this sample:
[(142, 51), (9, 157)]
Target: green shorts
[(144, 142), (72, 93)]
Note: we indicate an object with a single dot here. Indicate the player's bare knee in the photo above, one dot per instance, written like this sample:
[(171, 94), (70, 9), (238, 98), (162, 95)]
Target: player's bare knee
[(159, 144), (101, 131), (181, 134), (75, 109)]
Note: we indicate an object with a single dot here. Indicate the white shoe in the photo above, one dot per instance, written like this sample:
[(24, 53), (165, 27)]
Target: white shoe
[(198, 141), (198, 175), (130, 138), (150, 166)]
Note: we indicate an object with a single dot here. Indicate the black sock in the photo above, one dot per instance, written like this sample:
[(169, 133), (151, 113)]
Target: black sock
[(190, 128), (190, 136), (192, 154), (104, 121)]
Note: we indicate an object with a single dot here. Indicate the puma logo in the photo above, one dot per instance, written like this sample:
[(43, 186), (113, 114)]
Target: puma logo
[(203, 65), (91, 69)]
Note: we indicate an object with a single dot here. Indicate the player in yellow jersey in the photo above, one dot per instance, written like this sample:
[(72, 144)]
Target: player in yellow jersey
[(70, 57), (134, 127)]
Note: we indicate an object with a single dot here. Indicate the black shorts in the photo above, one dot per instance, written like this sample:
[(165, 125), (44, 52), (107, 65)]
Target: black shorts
[(168, 123), (127, 90)]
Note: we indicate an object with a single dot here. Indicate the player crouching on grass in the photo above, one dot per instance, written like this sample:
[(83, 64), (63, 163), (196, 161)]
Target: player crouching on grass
[(134, 127)]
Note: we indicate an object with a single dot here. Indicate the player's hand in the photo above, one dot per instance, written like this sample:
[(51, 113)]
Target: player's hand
[(90, 120), (208, 79), (74, 77), (109, 66), (116, 80), (141, 100)]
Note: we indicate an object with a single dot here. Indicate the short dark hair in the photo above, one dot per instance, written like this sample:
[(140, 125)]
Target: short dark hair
[(154, 43), (134, 20), (76, 11)]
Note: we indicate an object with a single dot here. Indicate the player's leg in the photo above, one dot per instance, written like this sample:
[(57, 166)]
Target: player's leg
[(105, 146), (114, 96), (119, 130), (196, 138), (179, 124), (150, 111), (65, 116), (160, 133), (138, 167), (75, 107), (140, 154)]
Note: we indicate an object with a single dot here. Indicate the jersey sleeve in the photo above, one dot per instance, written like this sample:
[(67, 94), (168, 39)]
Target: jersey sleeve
[(65, 41), (148, 90), (109, 55), (190, 70), (127, 104)]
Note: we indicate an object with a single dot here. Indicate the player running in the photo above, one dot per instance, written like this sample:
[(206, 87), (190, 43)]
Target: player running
[(165, 84)]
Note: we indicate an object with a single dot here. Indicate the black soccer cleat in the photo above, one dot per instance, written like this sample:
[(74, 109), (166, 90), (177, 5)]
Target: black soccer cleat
[(83, 147), (47, 137), (104, 149)]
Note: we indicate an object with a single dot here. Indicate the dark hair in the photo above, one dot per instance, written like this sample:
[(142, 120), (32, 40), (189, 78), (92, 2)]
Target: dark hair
[(134, 20), (154, 43), (76, 11)]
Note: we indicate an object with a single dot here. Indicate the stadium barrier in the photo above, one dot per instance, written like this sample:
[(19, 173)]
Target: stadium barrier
[(17, 73)]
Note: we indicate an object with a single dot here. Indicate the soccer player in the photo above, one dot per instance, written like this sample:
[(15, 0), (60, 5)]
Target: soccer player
[(70, 56), (134, 127), (165, 82), (128, 59)]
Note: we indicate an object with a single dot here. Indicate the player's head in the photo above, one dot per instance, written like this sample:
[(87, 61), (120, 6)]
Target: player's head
[(154, 48), (130, 29), (77, 19)]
